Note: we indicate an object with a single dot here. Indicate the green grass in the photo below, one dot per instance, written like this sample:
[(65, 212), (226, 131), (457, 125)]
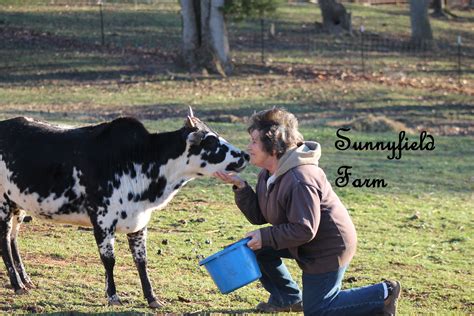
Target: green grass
[(418, 229)]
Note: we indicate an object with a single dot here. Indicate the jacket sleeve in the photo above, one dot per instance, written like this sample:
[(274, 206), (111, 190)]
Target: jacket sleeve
[(247, 201), (302, 206)]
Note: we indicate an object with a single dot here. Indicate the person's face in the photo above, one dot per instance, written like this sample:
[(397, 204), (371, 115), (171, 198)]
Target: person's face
[(258, 157)]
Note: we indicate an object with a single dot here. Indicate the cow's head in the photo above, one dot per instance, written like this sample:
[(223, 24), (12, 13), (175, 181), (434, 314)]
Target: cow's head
[(208, 152)]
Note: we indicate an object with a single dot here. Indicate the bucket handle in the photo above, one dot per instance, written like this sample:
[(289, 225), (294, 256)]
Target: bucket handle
[(240, 240)]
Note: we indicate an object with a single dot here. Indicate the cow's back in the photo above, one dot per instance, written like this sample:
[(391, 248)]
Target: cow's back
[(41, 157), (21, 132)]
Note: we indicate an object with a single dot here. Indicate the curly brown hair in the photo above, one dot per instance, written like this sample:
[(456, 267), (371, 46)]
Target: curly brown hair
[(278, 130)]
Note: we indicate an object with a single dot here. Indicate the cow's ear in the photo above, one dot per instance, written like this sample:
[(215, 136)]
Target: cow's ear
[(195, 138), (189, 122)]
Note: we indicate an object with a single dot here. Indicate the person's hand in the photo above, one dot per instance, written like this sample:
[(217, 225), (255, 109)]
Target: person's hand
[(231, 178), (256, 242)]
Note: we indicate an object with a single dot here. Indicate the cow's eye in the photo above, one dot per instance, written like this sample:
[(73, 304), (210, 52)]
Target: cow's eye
[(210, 143)]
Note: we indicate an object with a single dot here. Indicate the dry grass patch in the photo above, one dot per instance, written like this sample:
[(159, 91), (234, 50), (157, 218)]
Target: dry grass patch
[(374, 124)]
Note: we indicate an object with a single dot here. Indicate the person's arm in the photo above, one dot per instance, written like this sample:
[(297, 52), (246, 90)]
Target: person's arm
[(247, 201), (245, 197), (303, 213)]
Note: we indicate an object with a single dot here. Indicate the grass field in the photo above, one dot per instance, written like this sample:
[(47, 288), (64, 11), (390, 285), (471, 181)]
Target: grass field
[(418, 229)]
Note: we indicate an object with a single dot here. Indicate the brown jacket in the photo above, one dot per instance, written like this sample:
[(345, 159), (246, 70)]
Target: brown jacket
[(307, 217)]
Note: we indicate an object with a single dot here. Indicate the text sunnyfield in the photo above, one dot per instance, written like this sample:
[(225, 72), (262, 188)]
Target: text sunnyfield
[(424, 142), (395, 148)]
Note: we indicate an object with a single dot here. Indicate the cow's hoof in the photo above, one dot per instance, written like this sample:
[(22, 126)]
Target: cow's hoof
[(21, 291), (114, 301), (156, 304)]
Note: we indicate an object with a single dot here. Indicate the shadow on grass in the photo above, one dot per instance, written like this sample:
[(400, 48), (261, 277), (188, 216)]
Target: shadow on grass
[(75, 313), (409, 114), (77, 76), (127, 26), (134, 313), (223, 312), (34, 46)]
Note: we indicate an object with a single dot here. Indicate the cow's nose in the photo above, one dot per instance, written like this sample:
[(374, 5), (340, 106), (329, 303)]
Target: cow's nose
[(246, 156)]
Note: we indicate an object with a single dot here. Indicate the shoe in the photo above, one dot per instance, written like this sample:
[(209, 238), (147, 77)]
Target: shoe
[(270, 308), (390, 304)]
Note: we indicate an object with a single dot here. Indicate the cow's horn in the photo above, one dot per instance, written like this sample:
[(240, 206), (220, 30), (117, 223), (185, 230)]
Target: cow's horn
[(191, 114), (190, 122)]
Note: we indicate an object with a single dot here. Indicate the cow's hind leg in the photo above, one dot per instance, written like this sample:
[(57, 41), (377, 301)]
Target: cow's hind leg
[(20, 268), (6, 220), (137, 243)]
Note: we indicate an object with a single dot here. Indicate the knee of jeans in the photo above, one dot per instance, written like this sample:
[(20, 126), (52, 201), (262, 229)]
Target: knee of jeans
[(312, 308), (313, 305)]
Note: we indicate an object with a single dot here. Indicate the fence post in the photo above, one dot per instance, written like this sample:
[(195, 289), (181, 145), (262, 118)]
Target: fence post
[(362, 29), (459, 59), (101, 21), (262, 38)]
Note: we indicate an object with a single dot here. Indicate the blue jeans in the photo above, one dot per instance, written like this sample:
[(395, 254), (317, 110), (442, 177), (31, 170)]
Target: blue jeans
[(322, 293)]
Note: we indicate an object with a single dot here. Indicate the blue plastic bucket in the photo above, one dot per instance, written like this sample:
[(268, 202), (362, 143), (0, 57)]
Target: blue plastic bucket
[(233, 267)]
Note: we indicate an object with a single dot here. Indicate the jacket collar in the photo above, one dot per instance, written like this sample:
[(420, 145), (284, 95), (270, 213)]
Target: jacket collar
[(306, 154)]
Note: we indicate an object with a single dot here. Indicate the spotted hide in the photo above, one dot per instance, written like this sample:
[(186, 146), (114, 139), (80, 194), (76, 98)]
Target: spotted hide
[(109, 176)]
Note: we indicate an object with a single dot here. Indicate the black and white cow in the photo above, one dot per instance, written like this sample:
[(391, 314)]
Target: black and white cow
[(109, 176)]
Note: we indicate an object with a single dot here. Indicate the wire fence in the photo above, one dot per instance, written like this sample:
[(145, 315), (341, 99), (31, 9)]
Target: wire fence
[(155, 25), (361, 51)]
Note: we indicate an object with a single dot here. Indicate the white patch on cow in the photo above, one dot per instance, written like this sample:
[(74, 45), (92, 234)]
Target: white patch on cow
[(137, 216), (3, 174), (138, 246), (106, 248), (43, 207), (78, 189), (17, 220), (138, 213)]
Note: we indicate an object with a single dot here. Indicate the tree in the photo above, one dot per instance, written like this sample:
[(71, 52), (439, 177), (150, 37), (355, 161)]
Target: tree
[(205, 40), (439, 7), (421, 33), (335, 17), (241, 9), (440, 10)]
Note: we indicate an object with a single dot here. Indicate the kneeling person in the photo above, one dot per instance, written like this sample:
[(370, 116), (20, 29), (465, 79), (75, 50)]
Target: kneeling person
[(309, 224)]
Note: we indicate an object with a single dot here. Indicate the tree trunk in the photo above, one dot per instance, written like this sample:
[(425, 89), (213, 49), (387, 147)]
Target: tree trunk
[(205, 40), (219, 37), (438, 5), (335, 17), (439, 9), (190, 33), (421, 33)]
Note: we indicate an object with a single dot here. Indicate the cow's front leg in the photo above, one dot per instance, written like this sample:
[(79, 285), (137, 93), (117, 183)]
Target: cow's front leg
[(137, 242), (105, 239)]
